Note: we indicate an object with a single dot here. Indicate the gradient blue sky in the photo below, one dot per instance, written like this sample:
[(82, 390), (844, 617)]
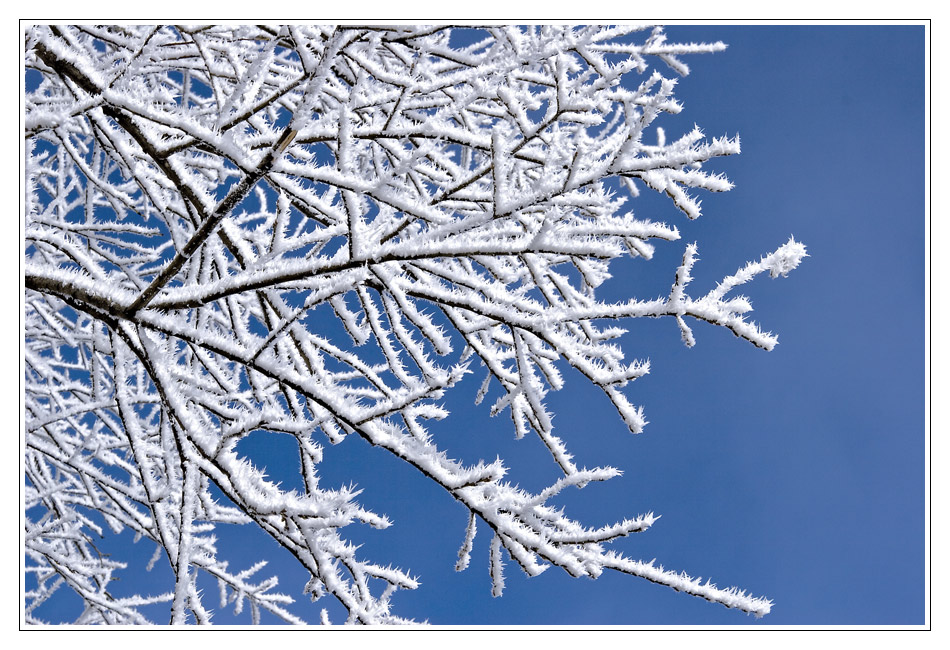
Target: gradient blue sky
[(797, 474)]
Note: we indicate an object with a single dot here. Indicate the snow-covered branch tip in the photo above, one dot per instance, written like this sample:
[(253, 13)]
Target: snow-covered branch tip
[(730, 313)]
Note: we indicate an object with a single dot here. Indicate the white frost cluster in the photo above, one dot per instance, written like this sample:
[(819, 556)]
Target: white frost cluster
[(316, 232)]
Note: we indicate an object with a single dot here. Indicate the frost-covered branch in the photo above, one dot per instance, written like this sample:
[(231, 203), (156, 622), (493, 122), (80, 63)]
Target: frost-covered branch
[(317, 232)]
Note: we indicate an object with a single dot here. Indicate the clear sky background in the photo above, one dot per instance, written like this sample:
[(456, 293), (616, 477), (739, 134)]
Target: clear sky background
[(797, 474)]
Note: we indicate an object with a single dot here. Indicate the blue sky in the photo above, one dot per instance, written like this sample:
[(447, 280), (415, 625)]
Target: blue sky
[(797, 474)]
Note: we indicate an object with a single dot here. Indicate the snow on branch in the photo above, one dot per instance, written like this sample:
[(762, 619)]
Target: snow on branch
[(317, 232)]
